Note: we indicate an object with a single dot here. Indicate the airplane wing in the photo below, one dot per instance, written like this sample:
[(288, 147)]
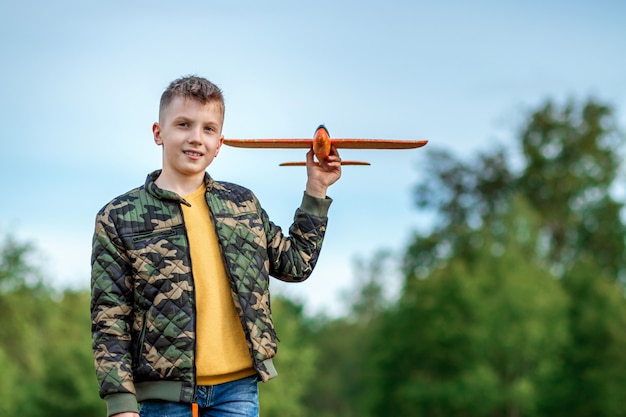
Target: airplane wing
[(377, 143), (339, 143), (269, 143)]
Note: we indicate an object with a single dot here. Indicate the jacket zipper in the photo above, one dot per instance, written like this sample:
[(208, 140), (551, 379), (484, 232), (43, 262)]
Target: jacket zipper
[(195, 310)]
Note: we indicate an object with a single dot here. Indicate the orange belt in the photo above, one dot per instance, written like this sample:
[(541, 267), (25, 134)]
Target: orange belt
[(194, 409)]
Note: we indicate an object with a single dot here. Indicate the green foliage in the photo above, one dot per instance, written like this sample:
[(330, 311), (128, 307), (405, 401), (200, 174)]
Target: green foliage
[(572, 157), (9, 390), (342, 385), (592, 379), (340, 382), (45, 346), (69, 372), (283, 396), (513, 304), (464, 196), (477, 338)]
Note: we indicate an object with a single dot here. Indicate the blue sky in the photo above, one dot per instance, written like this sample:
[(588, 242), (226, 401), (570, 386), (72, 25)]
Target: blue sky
[(82, 80)]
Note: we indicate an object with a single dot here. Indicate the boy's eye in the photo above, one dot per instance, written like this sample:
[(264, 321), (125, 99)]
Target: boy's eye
[(184, 124)]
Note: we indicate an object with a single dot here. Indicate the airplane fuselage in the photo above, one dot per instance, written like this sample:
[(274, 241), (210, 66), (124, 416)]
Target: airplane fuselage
[(321, 143)]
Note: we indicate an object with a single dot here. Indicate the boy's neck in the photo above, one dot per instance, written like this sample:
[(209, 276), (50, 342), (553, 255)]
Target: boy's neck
[(181, 185)]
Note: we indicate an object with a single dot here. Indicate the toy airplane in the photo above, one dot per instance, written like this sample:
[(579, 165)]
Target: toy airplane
[(321, 144)]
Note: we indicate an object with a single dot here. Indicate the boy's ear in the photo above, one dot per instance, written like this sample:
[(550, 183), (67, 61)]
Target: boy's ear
[(156, 133), (219, 145)]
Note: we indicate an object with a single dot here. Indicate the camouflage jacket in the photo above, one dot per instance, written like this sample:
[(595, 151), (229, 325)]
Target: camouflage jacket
[(142, 305)]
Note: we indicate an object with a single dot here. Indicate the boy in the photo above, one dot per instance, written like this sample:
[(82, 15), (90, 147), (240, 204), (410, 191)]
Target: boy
[(180, 304)]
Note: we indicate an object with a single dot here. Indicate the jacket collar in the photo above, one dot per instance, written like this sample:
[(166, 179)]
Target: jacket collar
[(162, 194)]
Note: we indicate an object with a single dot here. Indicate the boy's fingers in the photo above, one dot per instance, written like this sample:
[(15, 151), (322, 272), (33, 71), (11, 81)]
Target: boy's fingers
[(333, 155)]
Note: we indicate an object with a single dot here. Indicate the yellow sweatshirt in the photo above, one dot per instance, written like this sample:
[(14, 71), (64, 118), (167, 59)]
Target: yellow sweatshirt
[(222, 353)]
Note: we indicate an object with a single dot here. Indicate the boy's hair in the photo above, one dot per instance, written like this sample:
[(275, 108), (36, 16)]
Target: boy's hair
[(193, 87)]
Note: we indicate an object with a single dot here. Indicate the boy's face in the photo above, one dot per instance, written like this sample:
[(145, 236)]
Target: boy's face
[(191, 135)]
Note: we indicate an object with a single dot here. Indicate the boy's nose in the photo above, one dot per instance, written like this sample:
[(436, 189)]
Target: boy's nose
[(194, 136)]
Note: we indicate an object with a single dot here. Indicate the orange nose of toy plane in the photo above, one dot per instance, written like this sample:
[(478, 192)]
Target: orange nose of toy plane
[(321, 143)]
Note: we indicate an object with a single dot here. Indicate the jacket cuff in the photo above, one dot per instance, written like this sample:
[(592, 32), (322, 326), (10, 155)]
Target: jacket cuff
[(121, 403), (315, 206)]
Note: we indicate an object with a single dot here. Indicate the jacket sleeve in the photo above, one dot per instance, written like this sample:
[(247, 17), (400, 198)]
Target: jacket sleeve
[(111, 315), (292, 258)]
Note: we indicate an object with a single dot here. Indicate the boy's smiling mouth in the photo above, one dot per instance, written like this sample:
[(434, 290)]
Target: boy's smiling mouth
[(193, 154)]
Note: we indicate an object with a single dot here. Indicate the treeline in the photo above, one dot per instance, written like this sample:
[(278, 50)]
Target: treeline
[(511, 305)]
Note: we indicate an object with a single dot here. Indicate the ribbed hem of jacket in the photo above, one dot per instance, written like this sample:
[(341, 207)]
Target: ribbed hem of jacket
[(163, 390), (315, 206), (151, 390), (121, 403)]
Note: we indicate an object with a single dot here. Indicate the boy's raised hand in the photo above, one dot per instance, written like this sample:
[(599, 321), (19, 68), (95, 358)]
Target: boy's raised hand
[(322, 175)]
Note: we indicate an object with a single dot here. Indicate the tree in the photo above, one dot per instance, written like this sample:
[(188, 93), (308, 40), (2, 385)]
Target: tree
[(592, 378), (462, 195), (69, 387), (341, 383), (23, 310), (44, 342), (478, 338), (513, 303), (9, 390), (295, 362), (572, 159)]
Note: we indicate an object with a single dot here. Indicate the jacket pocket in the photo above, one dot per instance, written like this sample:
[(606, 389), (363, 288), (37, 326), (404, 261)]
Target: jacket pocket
[(139, 240), (151, 235), (156, 255)]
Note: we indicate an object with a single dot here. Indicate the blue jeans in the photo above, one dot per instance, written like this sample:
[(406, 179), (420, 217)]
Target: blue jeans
[(236, 398)]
